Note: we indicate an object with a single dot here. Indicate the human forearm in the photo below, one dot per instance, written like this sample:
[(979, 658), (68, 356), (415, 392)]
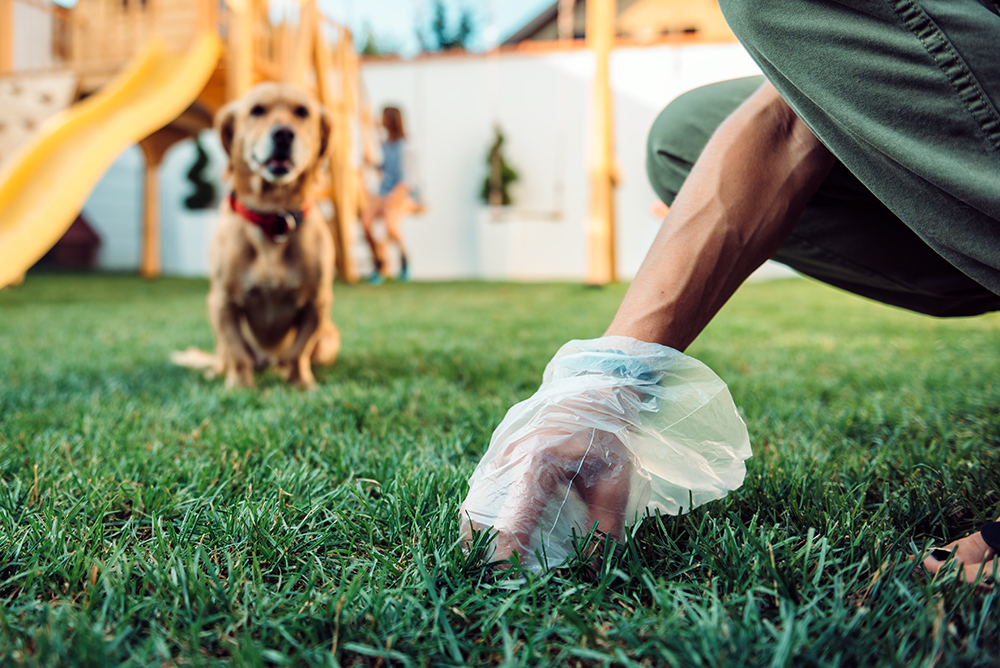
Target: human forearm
[(738, 205)]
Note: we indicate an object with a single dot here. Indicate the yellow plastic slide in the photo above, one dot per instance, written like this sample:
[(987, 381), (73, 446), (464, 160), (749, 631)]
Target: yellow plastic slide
[(45, 185)]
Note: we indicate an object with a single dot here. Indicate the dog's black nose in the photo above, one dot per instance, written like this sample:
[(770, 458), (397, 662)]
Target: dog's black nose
[(282, 136)]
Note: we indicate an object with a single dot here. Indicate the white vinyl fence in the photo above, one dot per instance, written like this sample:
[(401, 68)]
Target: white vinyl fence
[(451, 105)]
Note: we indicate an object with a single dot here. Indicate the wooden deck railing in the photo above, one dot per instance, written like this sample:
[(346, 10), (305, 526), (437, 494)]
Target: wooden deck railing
[(99, 37), (21, 24)]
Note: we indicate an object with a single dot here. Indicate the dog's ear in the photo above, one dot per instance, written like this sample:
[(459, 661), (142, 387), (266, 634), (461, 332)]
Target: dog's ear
[(225, 125), (325, 132)]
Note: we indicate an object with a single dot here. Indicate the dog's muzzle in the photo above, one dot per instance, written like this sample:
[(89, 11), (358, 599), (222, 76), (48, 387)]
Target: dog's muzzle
[(279, 162)]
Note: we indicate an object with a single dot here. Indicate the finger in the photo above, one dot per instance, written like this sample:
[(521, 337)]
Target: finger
[(535, 469), (970, 551), (604, 484), (519, 517), (607, 500), (549, 459), (981, 574)]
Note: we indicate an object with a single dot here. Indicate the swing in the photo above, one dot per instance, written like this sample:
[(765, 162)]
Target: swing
[(369, 141), (495, 176)]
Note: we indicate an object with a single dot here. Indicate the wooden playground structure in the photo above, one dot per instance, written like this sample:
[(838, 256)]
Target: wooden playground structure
[(154, 72), (249, 41)]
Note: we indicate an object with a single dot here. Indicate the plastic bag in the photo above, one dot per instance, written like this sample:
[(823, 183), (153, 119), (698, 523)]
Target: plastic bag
[(618, 427)]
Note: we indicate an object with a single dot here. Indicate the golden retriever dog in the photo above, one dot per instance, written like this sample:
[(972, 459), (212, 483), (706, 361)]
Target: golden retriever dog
[(272, 256)]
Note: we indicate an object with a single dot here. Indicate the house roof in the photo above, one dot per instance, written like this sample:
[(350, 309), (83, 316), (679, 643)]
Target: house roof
[(644, 20), (546, 17)]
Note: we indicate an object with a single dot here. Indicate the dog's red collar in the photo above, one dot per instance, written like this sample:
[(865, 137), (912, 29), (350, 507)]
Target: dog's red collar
[(276, 226)]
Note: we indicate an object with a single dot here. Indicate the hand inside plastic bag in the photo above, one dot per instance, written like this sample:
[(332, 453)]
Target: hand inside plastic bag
[(586, 467), (617, 428)]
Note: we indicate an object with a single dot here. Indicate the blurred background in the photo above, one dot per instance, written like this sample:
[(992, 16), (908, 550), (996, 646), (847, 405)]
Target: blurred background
[(511, 79)]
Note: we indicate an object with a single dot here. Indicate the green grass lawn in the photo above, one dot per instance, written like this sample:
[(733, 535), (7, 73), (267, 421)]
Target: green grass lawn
[(151, 517)]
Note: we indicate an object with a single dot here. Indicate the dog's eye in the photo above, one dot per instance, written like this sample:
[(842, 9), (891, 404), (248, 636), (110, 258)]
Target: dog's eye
[(257, 110), (302, 112)]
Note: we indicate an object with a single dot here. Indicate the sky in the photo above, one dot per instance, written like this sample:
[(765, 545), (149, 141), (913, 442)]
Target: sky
[(393, 21)]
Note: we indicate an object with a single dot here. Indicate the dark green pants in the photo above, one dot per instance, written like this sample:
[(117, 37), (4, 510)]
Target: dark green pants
[(904, 93)]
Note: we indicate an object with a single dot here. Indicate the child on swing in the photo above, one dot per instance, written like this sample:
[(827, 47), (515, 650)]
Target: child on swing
[(395, 199)]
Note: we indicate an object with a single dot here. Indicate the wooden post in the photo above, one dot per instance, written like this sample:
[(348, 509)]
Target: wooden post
[(150, 260), (6, 37), (351, 183), (208, 15), (239, 56), (154, 147), (601, 220), (300, 48), (343, 180)]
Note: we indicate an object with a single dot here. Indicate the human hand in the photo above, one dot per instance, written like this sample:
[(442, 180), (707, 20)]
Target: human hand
[(973, 556), (618, 427), (569, 474)]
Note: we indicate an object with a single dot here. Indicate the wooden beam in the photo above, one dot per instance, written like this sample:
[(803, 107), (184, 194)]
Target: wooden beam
[(154, 147), (6, 37), (151, 258), (343, 180), (240, 51), (601, 219), (215, 93), (350, 185), (208, 15), (300, 48)]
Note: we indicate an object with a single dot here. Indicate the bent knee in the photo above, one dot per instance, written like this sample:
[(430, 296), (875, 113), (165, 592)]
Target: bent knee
[(682, 129)]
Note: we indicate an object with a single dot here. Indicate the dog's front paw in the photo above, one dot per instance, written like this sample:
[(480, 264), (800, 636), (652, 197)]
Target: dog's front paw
[(239, 373), (304, 383), (306, 386), (235, 381), (300, 374)]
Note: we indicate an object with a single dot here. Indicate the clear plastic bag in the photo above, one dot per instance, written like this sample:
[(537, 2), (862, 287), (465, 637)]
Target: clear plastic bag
[(618, 427)]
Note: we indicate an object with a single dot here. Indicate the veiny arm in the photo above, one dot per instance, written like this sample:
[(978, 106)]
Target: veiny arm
[(736, 208)]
